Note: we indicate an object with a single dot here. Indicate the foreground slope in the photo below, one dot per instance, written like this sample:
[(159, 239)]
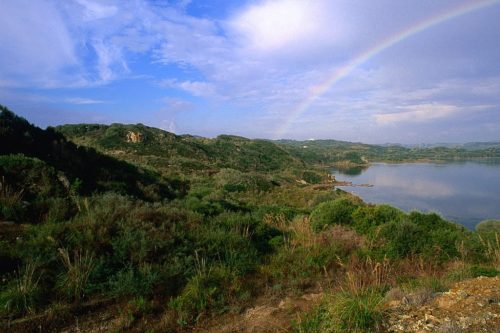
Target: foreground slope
[(249, 240)]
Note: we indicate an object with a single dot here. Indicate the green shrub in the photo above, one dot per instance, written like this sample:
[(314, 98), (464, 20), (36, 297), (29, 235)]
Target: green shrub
[(211, 289), (297, 268), (338, 211), (345, 312), (402, 239), (248, 226), (433, 284), (236, 181), (32, 176), (135, 281), (477, 271), (73, 282), (23, 294), (232, 248), (55, 209), (425, 234), (367, 217), (488, 226), (312, 177)]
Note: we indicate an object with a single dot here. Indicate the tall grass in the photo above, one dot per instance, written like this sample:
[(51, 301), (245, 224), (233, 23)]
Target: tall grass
[(492, 247), (345, 312), (23, 294), (8, 195), (361, 275), (73, 282)]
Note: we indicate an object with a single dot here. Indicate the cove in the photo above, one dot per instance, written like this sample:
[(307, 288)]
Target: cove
[(463, 192)]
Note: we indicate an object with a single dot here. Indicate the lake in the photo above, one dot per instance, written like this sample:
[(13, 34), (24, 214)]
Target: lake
[(466, 192)]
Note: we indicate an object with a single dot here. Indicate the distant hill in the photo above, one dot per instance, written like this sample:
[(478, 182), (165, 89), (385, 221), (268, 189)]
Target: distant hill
[(334, 152), (85, 168), (166, 151), (467, 146)]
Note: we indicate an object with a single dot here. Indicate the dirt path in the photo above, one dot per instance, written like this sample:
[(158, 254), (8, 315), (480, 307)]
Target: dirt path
[(265, 317)]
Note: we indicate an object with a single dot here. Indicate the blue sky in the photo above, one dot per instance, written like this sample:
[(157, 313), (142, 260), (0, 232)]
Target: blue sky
[(208, 67)]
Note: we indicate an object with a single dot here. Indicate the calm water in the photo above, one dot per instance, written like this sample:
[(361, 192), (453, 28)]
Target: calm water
[(466, 193)]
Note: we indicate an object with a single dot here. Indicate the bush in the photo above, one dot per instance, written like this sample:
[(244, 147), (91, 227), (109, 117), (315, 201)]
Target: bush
[(312, 177), (477, 271), (366, 218), (488, 226), (75, 279), (133, 281), (345, 312), (211, 289), (23, 294), (425, 234), (402, 239), (233, 248), (338, 211), (236, 181)]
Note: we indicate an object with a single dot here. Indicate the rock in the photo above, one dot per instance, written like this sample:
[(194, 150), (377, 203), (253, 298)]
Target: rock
[(469, 306), (135, 137)]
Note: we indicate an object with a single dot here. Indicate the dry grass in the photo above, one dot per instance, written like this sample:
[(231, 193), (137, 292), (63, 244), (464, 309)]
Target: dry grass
[(415, 266), (361, 275), (344, 236), (78, 269), (300, 233), (27, 283), (291, 196), (8, 195), (492, 249), (297, 232)]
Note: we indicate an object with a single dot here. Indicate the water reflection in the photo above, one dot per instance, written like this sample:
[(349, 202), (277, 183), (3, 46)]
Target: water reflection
[(465, 192), (415, 186), (352, 171)]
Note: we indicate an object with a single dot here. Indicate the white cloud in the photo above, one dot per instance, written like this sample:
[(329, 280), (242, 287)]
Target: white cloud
[(166, 118), (110, 60), (83, 101), (196, 88), (272, 25), (420, 188), (35, 45), (95, 10), (417, 113), (268, 56)]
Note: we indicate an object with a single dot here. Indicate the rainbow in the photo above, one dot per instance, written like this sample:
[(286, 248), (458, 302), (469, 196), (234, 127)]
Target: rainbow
[(344, 70)]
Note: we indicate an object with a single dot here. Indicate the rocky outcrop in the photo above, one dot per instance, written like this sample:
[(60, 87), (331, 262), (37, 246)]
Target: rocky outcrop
[(135, 137), (469, 306)]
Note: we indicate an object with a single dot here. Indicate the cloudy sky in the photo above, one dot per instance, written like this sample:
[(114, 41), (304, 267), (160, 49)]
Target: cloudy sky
[(377, 71)]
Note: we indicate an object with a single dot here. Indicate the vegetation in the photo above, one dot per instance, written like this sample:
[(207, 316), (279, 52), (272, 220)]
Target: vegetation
[(171, 231), (348, 154)]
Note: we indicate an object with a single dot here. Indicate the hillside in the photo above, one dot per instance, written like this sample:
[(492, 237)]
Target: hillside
[(134, 229), (328, 152), (164, 150), (36, 162)]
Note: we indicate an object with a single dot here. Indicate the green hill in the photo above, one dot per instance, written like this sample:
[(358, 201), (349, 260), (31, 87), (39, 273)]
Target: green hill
[(328, 152), (88, 243), (76, 167), (166, 151)]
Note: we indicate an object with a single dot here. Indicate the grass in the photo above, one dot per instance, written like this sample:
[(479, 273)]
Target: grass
[(23, 294), (74, 280), (199, 227), (344, 312)]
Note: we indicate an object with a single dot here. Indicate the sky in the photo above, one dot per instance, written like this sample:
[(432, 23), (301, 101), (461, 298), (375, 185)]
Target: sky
[(378, 71)]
